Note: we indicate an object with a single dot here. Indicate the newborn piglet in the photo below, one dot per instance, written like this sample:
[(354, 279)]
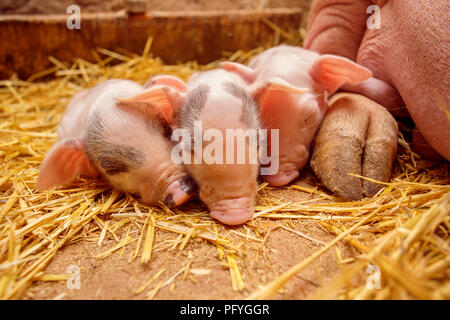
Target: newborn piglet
[(359, 137), (214, 114), (291, 85), (102, 132), (218, 102)]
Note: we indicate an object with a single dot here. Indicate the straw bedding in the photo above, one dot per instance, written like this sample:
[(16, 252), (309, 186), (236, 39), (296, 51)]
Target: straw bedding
[(403, 230)]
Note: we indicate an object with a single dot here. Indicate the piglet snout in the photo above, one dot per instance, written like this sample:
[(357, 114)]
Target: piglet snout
[(180, 191), (281, 178), (232, 211)]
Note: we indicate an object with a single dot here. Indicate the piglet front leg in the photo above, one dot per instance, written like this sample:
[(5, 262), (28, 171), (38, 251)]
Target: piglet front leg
[(356, 136)]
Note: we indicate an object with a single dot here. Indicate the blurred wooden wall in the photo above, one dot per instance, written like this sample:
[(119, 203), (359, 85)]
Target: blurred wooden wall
[(28, 40)]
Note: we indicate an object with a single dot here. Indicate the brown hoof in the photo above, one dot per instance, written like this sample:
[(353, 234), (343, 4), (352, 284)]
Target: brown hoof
[(356, 136)]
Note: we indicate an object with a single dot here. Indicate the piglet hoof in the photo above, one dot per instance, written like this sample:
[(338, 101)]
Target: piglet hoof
[(357, 136)]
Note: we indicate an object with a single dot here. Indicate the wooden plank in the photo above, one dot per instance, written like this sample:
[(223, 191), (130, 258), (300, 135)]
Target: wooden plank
[(28, 40)]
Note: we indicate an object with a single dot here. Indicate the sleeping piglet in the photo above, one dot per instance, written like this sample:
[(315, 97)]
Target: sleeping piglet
[(102, 133), (291, 86), (211, 108)]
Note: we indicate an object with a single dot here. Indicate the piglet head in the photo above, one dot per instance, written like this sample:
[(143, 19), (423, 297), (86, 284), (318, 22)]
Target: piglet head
[(127, 143), (222, 153), (295, 104), (157, 177)]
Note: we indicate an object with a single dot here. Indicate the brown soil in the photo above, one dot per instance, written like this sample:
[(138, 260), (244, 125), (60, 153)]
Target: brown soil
[(60, 6), (116, 278)]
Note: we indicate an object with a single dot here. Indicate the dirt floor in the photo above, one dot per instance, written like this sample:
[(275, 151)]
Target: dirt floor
[(116, 278), (60, 6)]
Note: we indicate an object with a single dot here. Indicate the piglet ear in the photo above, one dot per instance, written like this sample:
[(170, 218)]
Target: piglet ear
[(65, 160), (167, 80), (159, 100), (275, 84), (332, 71), (263, 93), (246, 73)]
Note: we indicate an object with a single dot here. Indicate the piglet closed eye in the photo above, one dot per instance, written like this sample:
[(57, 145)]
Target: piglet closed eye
[(119, 129)]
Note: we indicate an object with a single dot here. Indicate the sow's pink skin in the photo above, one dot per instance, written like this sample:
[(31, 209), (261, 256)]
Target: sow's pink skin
[(291, 86), (103, 133), (217, 99), (409, 55)]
